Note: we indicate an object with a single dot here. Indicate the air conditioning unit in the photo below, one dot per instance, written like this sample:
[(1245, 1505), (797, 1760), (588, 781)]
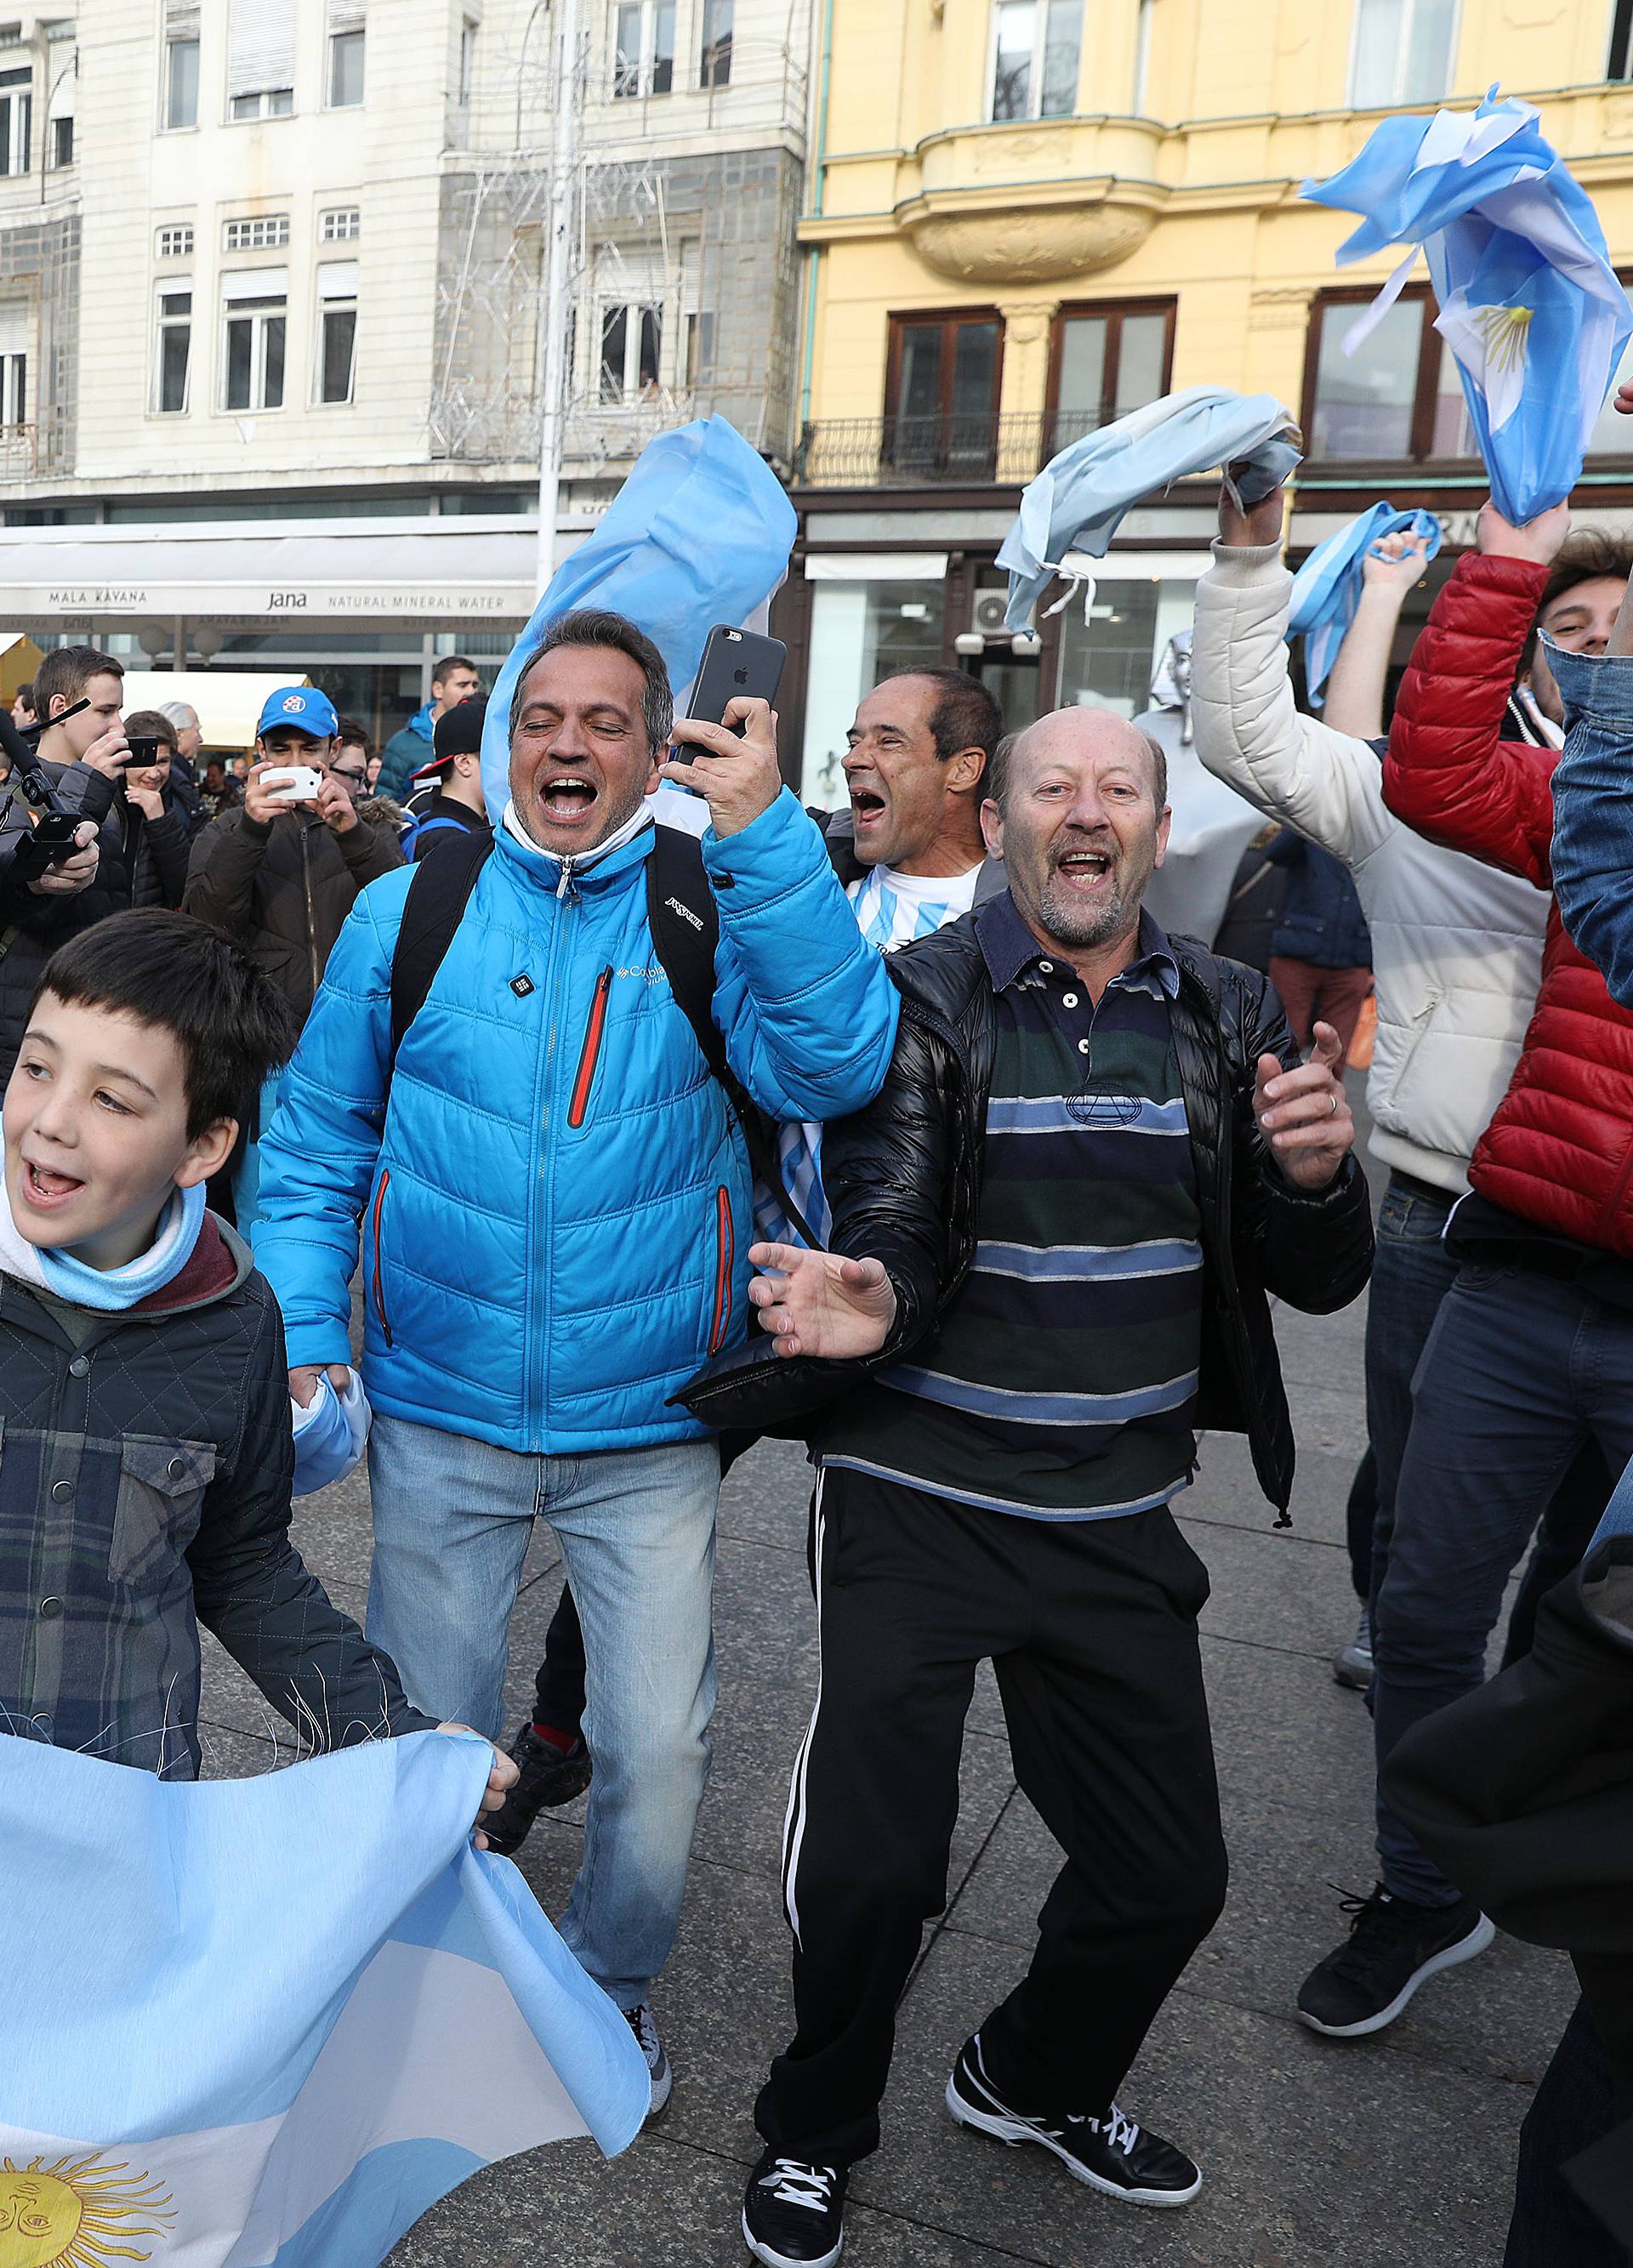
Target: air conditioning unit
[(987, 615)]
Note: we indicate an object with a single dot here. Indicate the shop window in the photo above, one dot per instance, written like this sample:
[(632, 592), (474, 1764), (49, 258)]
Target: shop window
[(180, 84), (16, 120), (255, 326), (1397, 397), (175, 349), (643, 59), (1402, 52), (1105, 361), (861, 632), (941, 410), (337, 329), (1036, 45), (1107, 662), (715, 67), (261, 58)]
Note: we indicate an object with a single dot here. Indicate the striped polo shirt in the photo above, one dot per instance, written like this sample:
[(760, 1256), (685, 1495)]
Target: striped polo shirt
[(1063, 1384)]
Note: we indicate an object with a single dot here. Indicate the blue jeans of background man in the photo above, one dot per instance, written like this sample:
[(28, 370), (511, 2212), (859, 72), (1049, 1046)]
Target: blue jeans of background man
[(452, 1520), (1522, 1370), (1411, 1273)]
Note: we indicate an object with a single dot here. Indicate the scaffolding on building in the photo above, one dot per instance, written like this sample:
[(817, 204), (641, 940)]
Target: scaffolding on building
[(682, 284)]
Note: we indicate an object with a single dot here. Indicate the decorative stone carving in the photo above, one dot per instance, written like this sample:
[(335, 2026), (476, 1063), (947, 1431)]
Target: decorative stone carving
[(1026, 243), (1281, 308)]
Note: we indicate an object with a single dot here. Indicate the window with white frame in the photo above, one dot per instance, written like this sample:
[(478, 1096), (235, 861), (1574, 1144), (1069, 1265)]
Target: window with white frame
[(341, 224), (176, 242), (1037, 46), (337, 329), (266, 233), (345, 54), (255, 331), (16, 120), (631, 349), (1402, 52), (643, 47), (15, 326), (63, 141), (173, 351), (182, 81), (1619, 63), (715, 64), (261, 58), (467, 62)]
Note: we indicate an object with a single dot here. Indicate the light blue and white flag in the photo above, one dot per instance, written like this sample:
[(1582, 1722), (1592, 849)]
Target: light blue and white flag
[(699, 534), (266, 2023), (1326, 589), (1070, 510), (1529, 301)]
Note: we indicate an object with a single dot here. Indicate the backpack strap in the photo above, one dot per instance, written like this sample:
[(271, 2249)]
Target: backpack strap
[(685, 926), (435, 905), (417, 833)]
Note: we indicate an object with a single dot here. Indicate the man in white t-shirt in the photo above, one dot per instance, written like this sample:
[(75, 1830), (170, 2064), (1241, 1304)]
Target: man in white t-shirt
[(910, 853)]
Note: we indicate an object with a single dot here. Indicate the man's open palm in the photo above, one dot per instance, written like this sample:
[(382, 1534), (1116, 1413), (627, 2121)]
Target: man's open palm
[(817, 1303)]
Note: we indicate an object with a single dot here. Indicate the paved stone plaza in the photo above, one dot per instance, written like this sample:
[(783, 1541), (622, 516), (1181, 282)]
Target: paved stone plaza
[(1396, 2154)]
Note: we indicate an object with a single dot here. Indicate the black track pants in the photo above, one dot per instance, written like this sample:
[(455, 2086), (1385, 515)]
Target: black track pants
[(1092, 1627)]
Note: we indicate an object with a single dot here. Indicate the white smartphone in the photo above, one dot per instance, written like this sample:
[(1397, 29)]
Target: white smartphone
[(291, 784)]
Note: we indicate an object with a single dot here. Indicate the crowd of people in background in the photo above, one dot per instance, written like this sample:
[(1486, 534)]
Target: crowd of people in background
[(1008, 1175)]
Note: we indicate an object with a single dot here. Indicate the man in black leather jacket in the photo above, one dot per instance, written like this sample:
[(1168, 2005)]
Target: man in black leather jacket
[(1056, 1235)]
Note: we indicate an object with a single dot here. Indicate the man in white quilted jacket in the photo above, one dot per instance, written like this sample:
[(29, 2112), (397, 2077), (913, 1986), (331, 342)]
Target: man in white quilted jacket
[(1457, 951)]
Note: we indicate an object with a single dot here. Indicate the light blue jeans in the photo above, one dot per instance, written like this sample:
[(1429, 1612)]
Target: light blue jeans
[(636, 1527)]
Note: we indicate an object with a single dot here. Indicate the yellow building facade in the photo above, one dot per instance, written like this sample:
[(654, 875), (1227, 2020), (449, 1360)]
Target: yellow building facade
[(1028, 216)]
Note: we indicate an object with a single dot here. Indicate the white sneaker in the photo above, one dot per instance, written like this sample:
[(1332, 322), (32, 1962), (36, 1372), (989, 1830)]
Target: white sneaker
[(1352, 1665), (643, 2024)]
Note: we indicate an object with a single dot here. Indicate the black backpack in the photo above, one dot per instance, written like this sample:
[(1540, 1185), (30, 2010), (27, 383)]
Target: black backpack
[(685, 930)]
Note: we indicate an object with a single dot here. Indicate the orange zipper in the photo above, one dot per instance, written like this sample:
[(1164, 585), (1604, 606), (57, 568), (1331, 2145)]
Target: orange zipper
[(588, 1059), (725, 1253), (379, 1297)]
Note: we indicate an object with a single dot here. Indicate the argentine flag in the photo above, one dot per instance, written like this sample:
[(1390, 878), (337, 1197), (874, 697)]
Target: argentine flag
[(265, 2024)]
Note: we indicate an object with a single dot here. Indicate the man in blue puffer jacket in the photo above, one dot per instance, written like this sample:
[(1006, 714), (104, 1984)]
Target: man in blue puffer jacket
[(557, 1207)]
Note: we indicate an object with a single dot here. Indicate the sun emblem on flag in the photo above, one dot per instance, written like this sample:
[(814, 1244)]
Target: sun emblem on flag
[(79, 2213), (1505, 331)]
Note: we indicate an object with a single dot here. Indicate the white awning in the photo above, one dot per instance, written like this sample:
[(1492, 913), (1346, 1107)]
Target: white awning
[(875, 566), (439, 572), (227, 702)]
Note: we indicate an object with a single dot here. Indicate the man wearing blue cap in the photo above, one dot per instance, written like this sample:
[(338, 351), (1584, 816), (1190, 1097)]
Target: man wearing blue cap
[(283, 870)]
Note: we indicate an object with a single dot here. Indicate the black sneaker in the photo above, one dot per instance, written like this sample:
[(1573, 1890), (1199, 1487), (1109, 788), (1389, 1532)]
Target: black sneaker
[(643, 2024), (792, 2213), (1109, 2153), (549, 1776), (1394, 1944)]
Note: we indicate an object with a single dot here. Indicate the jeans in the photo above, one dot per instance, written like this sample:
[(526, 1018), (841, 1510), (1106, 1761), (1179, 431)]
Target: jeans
[(1521, 1371), (1411, 1275), (636, 1527), (1574, 2108)]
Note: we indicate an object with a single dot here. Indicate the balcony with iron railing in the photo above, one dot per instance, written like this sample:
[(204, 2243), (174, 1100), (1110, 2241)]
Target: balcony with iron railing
[(941, 451)]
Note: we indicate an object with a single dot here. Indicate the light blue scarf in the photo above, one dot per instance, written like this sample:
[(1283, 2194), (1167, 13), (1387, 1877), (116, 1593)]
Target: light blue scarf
[(110, 1290)]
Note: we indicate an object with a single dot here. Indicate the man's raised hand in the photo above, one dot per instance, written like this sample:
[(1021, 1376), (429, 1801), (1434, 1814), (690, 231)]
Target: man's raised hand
[(1303, 1115), (1259, 523), (1396, 562), (818, 1303), (737, 774)]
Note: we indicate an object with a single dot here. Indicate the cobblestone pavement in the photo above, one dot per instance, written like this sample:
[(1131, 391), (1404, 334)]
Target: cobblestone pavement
[(1318, 2154)]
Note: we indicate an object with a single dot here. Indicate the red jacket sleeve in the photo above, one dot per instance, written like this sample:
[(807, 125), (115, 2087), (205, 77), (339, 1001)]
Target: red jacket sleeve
[(1448, 773)]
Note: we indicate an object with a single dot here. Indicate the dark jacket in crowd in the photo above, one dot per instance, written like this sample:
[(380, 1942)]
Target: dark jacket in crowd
[(903, 1179), (1321, 921), (1523, 1792), (286, 887), (157, 850), (145, 1489), (35, 926)]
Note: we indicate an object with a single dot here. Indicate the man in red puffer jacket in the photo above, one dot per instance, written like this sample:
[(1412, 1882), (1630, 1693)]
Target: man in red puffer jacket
[(1531, 1355)]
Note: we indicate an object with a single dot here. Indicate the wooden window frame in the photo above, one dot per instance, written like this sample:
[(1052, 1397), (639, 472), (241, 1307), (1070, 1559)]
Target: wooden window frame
[(947, 319), (1420, 433), (1111, 311)]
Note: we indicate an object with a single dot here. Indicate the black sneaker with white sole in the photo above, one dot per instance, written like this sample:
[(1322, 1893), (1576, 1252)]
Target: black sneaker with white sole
[(794, 2213), (1108, 2152), (549, 1775), (1394, 1944), (643, 2024)]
